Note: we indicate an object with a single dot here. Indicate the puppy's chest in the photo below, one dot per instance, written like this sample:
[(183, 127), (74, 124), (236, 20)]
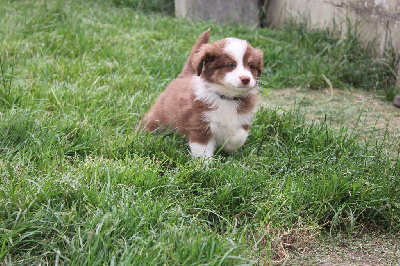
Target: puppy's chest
[(225, 120)]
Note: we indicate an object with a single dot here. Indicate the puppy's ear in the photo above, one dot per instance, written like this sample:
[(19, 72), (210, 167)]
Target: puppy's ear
[(258, 55), (206, 53)]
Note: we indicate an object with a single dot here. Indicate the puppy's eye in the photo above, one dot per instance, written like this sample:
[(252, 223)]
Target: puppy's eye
[(232, 65), (252, 67)]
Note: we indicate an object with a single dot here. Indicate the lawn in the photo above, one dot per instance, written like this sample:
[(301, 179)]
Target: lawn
[(78, 186)]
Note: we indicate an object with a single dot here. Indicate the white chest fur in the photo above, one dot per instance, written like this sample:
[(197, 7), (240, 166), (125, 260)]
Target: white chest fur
[(224, 120)]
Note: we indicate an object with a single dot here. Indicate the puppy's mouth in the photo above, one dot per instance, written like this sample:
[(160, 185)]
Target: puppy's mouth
[(231, 90), (242, 88), (239, 91)]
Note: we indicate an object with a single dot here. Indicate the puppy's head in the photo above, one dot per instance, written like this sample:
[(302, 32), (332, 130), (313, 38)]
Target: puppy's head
[(230, 63)]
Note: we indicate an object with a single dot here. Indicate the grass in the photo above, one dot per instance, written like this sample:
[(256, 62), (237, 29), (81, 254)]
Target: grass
[(160, 6), (318, 59), (79, 187)]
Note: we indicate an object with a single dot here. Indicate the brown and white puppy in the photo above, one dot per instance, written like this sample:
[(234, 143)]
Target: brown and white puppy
[(213, 100)]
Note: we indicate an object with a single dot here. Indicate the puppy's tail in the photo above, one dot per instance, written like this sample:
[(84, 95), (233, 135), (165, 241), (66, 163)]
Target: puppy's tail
[(188, 69)]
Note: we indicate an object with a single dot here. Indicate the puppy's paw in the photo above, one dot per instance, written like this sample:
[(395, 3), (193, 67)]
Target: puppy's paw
[(236, 141), (202, 150)]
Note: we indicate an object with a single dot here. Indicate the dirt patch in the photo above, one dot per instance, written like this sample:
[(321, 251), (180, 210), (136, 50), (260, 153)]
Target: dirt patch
[(370, 114), (339, 105), (364, 249), (307, 246)]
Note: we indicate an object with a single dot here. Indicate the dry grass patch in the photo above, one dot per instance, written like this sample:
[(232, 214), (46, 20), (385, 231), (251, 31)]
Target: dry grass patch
[(374, 116), (372, 248)]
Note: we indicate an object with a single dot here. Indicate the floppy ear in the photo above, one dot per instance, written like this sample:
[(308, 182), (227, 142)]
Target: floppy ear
[(203, 39), (259, 59), (206, 53)]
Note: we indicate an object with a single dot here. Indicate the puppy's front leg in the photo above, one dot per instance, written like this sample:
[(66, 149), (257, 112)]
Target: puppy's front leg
[(236, 141), (205, 150)]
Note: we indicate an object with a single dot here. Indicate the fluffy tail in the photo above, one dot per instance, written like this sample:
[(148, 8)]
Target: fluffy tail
[(203, 39)]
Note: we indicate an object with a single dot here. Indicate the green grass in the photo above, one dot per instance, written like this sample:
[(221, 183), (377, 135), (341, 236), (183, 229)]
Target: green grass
[(315, 58), (161, 6), (79, 187)]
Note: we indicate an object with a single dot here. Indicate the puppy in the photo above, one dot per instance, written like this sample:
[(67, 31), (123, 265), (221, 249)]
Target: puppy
[(213, 101)]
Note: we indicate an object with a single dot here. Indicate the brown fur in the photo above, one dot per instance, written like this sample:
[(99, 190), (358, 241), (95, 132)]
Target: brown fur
[(254, 57), (177, 107)]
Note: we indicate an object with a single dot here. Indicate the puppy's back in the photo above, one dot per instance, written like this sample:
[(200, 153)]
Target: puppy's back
[(177, 108)]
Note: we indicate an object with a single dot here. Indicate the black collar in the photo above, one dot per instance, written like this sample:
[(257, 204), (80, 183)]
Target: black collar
[(228, 98)]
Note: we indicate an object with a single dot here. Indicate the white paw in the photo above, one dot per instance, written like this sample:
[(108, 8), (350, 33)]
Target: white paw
[(236, 141), (202, 150)]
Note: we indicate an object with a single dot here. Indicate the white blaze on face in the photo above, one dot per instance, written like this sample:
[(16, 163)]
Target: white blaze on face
[(236, 48)]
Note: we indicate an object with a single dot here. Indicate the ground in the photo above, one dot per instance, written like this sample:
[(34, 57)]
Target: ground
[(370, 111), (375, 115), (368, 248)]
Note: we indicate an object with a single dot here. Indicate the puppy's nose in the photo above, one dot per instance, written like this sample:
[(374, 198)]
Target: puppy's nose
[(245, 80)]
